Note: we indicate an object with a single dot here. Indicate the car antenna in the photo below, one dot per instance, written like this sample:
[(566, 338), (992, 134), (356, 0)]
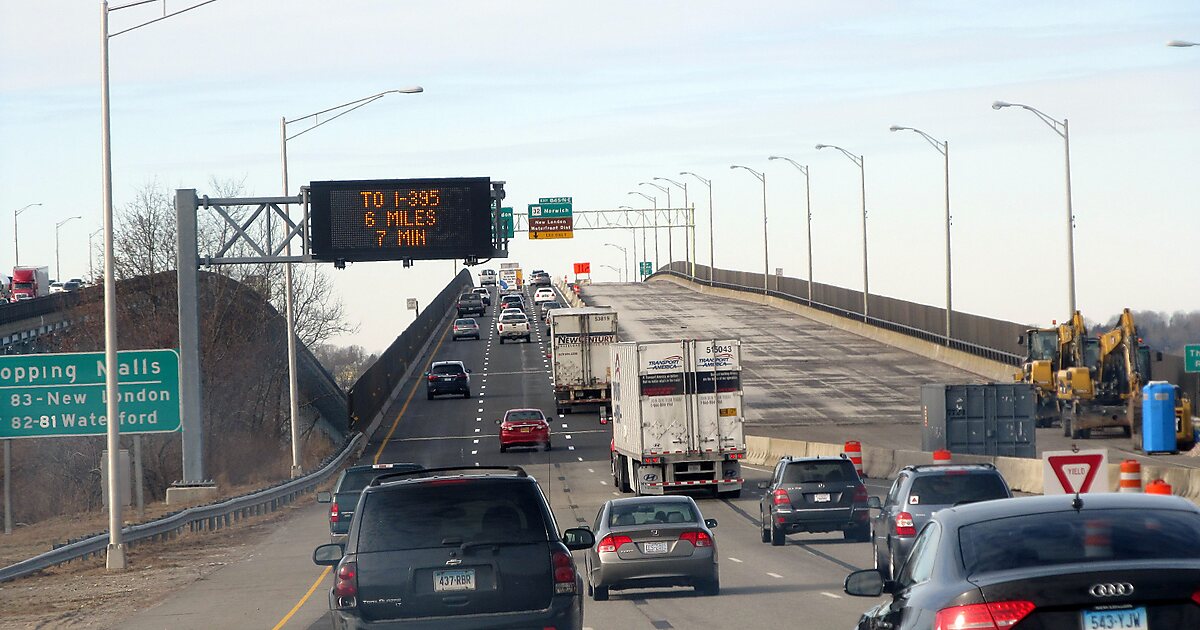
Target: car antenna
[(1077, 502)]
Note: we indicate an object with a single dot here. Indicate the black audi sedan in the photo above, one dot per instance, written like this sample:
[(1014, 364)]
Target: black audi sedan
[(1060, 562)]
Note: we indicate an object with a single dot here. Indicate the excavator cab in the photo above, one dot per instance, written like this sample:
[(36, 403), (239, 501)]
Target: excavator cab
[(1041, 355)]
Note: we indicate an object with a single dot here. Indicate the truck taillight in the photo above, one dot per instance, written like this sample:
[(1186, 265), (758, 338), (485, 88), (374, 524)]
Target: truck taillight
[(697, 538), (780, 497), (651, 460), (613, 542), (346, 582), (989, 616), (904, 525), (733, 456), (564, 572), (334, 513)]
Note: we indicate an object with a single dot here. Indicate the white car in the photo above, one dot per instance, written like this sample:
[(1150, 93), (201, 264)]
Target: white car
[(544, 295), (513, 325), (56, 287)]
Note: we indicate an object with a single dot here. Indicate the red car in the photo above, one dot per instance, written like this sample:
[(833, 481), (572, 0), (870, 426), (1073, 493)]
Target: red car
[(524, 427)]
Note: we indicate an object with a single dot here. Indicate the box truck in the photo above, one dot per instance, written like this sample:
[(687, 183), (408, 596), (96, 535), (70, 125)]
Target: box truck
[(30, 282), (677, 416), (580, 339)]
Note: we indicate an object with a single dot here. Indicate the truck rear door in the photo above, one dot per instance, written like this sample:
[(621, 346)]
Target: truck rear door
[(666, 418)]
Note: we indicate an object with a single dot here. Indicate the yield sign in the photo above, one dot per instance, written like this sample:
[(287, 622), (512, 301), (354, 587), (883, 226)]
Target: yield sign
[(1068, 472)]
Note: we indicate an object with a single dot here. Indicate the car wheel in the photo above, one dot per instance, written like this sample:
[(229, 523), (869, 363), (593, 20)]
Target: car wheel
[(857, 533), (467, 394), (709, 587), (546, 446), (891, 565), (763, 530), (600, 593), (589, 589), (778, 538), (428, 395), (526, 338)]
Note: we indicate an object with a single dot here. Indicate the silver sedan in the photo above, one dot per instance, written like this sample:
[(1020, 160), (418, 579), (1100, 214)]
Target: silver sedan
[(650, 542)]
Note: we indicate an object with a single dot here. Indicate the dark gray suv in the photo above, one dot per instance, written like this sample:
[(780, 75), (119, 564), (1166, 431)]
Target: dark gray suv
[(814, 494), (464, 548), (345, 494), (917, 493)]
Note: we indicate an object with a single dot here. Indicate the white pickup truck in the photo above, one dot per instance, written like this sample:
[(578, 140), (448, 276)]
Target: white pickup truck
[(513, 326)]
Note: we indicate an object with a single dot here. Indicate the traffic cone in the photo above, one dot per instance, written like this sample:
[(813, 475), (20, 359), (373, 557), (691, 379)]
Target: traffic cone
[(853, 451), (1158, 486), (1131, 476)]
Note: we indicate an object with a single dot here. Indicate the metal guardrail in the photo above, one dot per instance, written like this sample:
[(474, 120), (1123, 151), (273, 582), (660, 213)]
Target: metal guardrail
[(210, 517), (956, 344)]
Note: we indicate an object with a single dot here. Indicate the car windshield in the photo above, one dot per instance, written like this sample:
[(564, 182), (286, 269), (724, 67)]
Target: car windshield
[(465, 322), (447, 369), (651, 513), (1041, 540), (818, 472), (450, 512), (356, 479), (956, 487), (521, 416)]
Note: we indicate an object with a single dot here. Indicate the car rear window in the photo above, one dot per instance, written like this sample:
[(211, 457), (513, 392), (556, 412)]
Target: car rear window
[(1041, 540), (356, 480), (954, 488), (512, 317), (518, 416), (651, 513), (819, 472), (465, 322), (450, 512), (447, 369)]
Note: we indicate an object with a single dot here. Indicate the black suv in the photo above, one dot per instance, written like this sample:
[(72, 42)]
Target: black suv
[(345, 494), (447, 377), (814, 494), (464, 548), (917, 493)]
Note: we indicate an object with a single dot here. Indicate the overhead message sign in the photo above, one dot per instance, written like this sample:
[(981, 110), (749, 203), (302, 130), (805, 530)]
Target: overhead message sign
[(56, 395), (401, 219)]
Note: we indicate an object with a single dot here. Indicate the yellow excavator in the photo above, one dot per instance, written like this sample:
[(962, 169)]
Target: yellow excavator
[(1047, 351), (1104, 387)]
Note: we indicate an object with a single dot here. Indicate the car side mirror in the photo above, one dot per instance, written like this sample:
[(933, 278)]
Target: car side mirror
[(324, 496), (1158, 356), (865, 583), (874, 503), (329, 554), (763, 485), (468, 371), (497, 420), (427, 374), (710, 523), (579, 538)]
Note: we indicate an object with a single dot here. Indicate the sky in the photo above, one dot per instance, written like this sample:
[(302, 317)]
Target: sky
[(588, 99)]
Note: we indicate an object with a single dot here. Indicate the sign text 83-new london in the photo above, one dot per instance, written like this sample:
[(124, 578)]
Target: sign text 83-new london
[(399, 219)]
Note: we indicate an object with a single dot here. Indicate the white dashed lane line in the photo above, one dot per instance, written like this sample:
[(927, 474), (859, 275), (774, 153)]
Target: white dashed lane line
[(831, 595), (775, 575), (735, 560)]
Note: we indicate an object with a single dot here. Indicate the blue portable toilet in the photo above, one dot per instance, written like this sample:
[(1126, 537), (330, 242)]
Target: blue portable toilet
[(1158, 418)]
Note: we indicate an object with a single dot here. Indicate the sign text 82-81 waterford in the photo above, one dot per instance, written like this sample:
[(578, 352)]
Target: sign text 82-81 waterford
[(57, 395)]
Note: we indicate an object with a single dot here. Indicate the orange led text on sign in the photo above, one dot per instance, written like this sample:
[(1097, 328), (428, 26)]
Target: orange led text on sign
[(401, 198)]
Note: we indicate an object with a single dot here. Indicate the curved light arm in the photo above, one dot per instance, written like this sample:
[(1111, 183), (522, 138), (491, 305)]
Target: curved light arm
[(18, 212), (760, 176), (1058, 126), (353, 105), (857, 159), (623, 250), (706, 182), (648, 197), (658, 186), (677, 184), (626, 207), (1179, 43), (65, 221), (801, 167), (937, 144)]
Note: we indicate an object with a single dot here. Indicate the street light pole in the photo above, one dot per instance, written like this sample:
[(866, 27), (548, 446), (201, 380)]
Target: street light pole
[(16, 249), (1063, 129), (57, 261), (862, 174), (624, 256), (289, 299), (92, 257), (688, 257), (670, 241), (943, 147), (633, 235), (762, 177), (711, 262), (654, 201), (807, 211)]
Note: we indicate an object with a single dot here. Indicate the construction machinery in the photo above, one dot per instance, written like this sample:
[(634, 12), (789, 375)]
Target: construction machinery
[(1047, 351), (1103, 388)]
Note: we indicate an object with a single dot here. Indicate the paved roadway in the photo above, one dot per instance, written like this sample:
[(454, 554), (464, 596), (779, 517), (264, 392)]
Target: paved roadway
[(761, 585)]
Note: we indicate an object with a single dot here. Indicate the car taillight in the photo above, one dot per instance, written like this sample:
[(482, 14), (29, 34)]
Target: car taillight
[(1196, 597), (433, 377), (334, 513), (697, 538), (613, 542), (346, 583), (860, 494), (780, 497), (989, 616), (564, 572), (904, 525)]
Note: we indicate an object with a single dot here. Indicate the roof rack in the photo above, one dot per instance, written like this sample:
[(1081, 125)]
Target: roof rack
[(948, 465), (432, 472)]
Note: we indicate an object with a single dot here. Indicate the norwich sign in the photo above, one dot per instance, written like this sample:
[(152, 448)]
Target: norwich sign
[(57, 395)]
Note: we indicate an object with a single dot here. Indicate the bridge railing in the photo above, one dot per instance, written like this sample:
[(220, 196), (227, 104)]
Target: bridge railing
[(848, 303), (202, 518)]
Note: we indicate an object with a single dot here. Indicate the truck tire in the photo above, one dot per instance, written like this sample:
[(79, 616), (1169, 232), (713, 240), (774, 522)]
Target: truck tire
[(502, 340), (635, 483)]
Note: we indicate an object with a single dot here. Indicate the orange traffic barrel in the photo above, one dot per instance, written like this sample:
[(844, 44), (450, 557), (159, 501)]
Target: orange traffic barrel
[(853, 451), (1158, 486), (1131, 476), (941, 456)]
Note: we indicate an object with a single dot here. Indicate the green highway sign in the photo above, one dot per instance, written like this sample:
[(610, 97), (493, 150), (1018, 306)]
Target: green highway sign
[(554, 200), (506, 222), (57, 395), (645, 268), (1191, 358), (549, 210)]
